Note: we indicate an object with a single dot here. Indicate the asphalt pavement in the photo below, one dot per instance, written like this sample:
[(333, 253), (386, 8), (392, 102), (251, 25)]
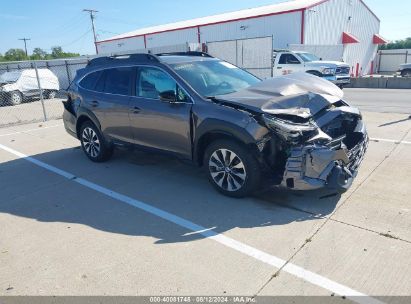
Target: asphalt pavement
[(380, 100)]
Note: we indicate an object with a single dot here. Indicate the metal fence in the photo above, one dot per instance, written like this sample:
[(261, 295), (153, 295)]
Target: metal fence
[(253, 54), (32, 91)]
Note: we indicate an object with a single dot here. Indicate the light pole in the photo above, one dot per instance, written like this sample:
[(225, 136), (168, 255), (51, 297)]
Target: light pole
[(92, 12), (25, 44)]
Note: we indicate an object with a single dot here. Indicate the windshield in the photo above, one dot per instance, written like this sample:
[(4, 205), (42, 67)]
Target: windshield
[(307, 57), (213, 77), (9, 77)]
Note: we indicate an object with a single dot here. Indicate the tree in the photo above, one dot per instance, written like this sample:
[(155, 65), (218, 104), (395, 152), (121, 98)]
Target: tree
[(57, 52), (38, 54), (15, 55), (1, 57), (399, 44)]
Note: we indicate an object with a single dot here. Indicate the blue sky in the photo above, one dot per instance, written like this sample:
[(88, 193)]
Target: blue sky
[(49, 23)]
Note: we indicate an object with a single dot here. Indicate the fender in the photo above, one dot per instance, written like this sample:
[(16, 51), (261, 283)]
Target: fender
[(214, 126), (86, 113)]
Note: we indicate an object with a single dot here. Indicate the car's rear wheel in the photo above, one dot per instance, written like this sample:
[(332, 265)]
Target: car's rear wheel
[(16, 98), (93, 143), (231, 168)]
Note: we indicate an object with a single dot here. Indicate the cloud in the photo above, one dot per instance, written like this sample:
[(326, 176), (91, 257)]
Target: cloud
[(12, 17)]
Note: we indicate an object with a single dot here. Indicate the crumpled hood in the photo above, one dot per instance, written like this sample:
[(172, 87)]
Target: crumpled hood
[(299, 94)]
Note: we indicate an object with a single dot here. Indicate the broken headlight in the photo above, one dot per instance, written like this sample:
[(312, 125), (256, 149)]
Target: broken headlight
[(290, 131)]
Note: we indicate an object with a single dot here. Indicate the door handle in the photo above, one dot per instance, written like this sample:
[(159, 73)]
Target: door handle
[(94, 103), (279, 68), (136, 110)]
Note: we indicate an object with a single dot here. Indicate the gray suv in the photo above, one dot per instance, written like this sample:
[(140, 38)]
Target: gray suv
[(294, 131)]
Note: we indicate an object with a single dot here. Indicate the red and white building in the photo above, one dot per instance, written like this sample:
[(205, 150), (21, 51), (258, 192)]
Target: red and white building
[(345, 30)]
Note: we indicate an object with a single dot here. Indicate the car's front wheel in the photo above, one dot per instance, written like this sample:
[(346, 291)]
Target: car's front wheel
[(51, 94), (231, 168), (16, 98), (93, 143)]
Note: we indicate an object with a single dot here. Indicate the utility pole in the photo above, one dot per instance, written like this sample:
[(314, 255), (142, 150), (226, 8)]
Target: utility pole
[(25, 44), (92, 16)]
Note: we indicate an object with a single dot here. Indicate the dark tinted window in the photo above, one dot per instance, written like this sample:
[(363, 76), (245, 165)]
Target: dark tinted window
[(101, 83), (89, 82), (116, 81), (288, 59)]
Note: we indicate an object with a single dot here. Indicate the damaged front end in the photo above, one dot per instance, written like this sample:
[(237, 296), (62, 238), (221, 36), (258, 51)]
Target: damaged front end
[(322, 150)]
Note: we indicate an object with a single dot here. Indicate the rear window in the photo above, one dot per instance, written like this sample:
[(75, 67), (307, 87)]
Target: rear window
[(89, 82)]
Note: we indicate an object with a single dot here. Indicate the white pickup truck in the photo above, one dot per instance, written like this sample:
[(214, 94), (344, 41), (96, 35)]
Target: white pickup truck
[(286, 62)]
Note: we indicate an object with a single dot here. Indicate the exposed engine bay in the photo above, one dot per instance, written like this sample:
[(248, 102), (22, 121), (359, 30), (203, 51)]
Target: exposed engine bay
[(315, 138)]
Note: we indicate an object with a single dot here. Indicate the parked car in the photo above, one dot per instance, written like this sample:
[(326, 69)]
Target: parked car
[(287, 62), (295, 130), (17, 86), (405, 70)]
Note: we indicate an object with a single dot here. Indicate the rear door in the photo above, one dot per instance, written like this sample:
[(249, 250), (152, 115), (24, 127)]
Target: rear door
[(287, 63), (110, 101), (160, 124)]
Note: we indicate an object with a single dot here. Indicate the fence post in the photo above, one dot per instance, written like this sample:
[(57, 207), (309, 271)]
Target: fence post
[(68, 72), (41, 91), (406, 56)]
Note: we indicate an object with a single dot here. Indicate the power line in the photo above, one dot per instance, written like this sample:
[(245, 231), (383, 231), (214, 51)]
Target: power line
[(25, 44), (92, 16)]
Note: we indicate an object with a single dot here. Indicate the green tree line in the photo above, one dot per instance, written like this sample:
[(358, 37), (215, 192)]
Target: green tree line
[(38, 54), (399, 44)]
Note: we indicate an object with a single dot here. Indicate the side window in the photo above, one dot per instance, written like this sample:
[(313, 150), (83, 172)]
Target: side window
[(115, 81), (151, 82), (288, 59), (89, 82), (118, 81)]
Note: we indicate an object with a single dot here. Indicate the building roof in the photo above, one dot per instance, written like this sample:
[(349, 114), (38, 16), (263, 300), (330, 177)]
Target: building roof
[(274, 9), (279, 8)]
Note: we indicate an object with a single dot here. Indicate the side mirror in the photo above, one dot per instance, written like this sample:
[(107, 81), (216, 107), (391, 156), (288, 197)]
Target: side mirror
[(168, 96)]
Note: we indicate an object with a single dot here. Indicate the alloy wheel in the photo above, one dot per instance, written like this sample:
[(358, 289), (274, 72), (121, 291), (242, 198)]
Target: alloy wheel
[(227, 170), (91, 142), (16, 98)]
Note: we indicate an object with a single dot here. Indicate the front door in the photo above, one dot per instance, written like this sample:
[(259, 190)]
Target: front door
[(288, 63), (157, 123)]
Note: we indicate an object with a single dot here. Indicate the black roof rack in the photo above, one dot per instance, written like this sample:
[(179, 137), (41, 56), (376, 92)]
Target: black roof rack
[(129, 57), (189, 53)]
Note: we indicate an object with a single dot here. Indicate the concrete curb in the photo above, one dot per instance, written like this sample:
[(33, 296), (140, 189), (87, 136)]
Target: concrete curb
[(381, 83)]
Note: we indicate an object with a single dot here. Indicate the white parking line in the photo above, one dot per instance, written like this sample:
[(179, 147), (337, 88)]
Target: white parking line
[(391, 141), (257, 254), (30, 130)]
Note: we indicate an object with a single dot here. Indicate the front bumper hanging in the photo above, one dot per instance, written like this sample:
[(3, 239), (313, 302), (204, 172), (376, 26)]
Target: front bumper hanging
[(317, 166)]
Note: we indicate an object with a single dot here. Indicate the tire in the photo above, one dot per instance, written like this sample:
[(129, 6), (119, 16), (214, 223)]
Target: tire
[(239, 176), (16, 98), (93, 143), (51, 94), (406, 73)]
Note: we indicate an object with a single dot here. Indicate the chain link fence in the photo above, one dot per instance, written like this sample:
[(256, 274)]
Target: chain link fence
[(33, 91)]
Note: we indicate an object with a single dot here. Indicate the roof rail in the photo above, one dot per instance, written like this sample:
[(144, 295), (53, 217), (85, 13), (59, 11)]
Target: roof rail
[(189, 53), (129, 57)]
